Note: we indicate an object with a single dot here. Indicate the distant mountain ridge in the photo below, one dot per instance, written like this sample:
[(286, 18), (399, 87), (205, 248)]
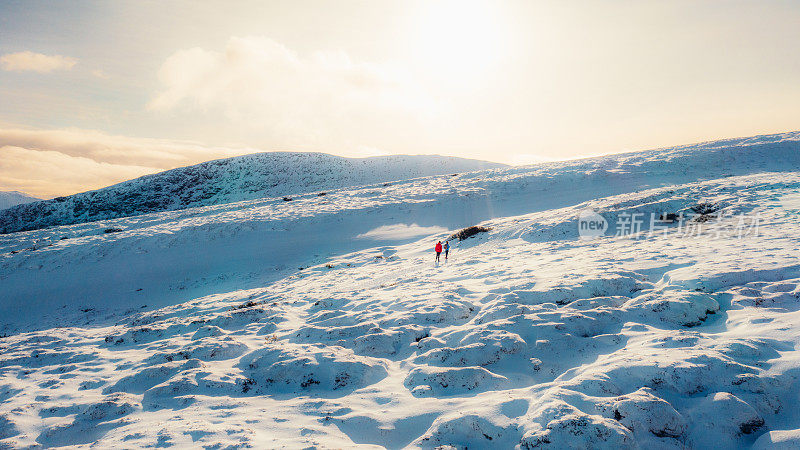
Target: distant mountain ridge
[(14, 198), (228, 180)]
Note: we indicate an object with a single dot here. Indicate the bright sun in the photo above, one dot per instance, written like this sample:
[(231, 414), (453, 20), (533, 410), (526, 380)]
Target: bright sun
[(458, 40)]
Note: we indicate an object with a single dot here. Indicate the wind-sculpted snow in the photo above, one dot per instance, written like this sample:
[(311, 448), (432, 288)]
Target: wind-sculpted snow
[(683, 336), (227, 180)]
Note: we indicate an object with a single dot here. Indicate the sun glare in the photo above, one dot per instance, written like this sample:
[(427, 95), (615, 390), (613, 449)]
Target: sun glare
[(458, 40)]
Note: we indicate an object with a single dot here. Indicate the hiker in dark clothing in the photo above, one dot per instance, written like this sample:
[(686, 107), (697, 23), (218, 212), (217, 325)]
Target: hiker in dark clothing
[(446, 249), (438, 249)]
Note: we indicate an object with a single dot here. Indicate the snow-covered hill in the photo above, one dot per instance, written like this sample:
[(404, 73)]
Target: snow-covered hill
[(230, 180), (325, 322), (14, 198)]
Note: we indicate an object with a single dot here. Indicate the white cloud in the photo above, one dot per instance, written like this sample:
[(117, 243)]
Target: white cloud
[(50, 173), (35, 62), (400, 231), (101, 147), (267, 92), (62, 162)]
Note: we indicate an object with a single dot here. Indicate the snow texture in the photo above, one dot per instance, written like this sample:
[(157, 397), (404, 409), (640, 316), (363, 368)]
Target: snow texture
[(270, 323)]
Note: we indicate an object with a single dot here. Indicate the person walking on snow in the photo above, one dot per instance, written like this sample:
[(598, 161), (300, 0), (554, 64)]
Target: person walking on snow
[(438, 249), (446, 249)]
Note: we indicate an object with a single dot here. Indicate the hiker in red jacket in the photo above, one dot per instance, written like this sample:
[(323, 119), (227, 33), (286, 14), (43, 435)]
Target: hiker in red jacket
[(438, 249)]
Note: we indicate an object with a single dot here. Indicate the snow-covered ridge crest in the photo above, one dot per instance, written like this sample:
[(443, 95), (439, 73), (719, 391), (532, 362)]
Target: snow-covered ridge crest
[(230, 180), (14, 198)]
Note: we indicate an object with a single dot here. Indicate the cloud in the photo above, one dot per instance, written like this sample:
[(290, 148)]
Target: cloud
[(50, 173), (101, 147), (35, 62), (61, 162), (267, 92), (400, 231)]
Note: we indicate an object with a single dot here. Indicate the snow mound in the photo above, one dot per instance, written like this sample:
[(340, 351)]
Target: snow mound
[(677, 307), (576, 430), (427, 381), (778, 440), (721, 418), (646, 415), (467, 431), (145, 378), (92, 421), (288, 369)]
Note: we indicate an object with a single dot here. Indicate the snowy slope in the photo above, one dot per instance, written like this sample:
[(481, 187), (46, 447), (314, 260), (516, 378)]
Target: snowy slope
[(199, 327), (13, 198), (229, 180)]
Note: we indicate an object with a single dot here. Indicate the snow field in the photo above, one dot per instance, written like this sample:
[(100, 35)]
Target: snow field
[(526, 337)]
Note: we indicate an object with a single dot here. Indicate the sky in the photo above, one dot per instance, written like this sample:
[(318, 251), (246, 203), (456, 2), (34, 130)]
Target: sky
[(95, 92)]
